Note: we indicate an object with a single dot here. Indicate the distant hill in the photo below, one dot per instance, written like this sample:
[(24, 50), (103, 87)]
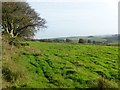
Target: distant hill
[(112, 38), (100, 38)]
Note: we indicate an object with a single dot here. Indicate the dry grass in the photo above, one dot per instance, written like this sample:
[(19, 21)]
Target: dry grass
[(103, 83)]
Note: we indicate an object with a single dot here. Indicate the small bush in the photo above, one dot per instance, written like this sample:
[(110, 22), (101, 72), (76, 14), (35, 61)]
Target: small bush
[(89, 41), (14, 41), (8, 75), (24, 44), (81, 41), (68, 40), (103, 83)]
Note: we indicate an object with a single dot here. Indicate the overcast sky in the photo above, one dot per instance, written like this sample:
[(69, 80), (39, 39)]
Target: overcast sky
[(77, 17)]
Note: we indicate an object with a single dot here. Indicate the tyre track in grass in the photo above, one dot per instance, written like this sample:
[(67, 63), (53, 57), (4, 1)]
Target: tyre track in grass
[(47, 71)]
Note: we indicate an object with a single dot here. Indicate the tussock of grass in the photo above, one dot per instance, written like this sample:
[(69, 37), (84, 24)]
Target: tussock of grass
[(103, 83)]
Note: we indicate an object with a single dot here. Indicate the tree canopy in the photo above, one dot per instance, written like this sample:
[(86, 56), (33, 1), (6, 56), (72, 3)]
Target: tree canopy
[(20, 20)]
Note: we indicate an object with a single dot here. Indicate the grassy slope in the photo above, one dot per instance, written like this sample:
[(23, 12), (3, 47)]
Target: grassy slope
[(60, 65)]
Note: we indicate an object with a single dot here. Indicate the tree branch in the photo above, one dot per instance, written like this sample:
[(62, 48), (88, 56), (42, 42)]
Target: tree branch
[(22, 28)]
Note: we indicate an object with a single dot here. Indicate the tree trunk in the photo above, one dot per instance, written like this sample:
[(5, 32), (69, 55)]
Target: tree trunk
[(12, 34)]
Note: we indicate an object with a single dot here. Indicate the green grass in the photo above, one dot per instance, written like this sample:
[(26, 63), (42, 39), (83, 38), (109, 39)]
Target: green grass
[(59, 65)]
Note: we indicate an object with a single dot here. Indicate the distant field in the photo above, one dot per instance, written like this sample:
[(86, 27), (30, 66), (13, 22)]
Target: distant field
[(59, 65)]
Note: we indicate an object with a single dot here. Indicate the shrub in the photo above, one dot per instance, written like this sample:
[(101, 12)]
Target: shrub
[(103, 83), (14, 41), (68, 40), (8, 75), (81, 41), (89, 41), (94, 42), (24, 44)]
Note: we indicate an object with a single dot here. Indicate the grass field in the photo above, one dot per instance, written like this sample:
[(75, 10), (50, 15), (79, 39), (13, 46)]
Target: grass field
[(60, 65)]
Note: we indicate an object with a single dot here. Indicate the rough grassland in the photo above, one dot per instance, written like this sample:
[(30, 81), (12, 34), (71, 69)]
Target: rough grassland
[(59, 65)]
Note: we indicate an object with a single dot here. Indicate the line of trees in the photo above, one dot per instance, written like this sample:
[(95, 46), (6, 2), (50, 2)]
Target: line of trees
[(81, 41), (68, 40)]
